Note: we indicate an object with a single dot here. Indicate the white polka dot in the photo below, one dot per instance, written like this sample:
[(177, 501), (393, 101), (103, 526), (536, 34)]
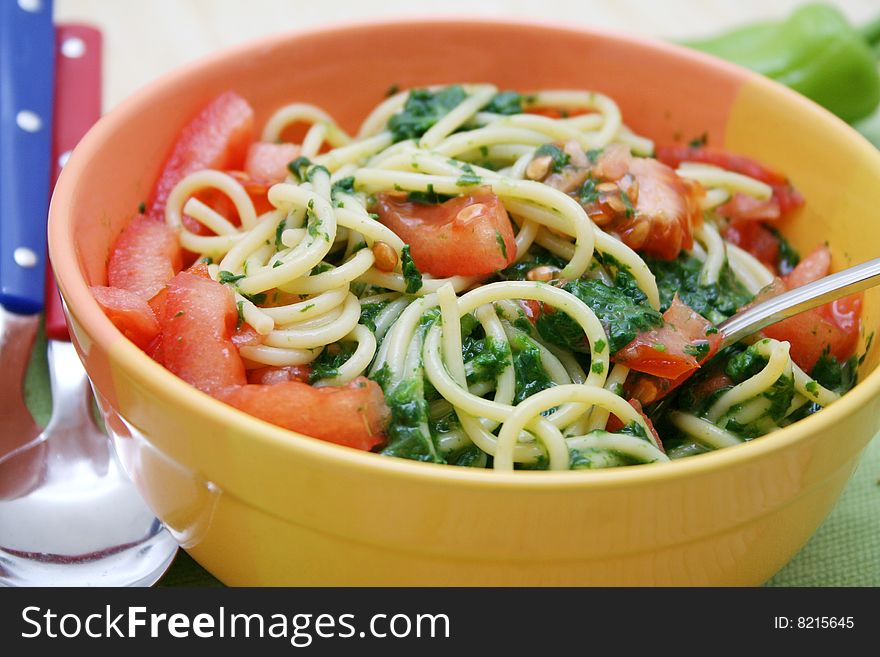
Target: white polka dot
[(24, 257), (31, 5), (73, 48), (28, 121)]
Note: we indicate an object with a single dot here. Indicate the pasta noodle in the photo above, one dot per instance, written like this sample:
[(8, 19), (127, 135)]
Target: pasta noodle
[(519, 367)]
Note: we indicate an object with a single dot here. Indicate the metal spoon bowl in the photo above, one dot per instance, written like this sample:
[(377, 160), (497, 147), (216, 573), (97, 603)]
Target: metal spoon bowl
[(81, 522), (69, 516)]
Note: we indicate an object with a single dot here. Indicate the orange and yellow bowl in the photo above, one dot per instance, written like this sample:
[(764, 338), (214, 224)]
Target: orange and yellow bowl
[(258, 505)]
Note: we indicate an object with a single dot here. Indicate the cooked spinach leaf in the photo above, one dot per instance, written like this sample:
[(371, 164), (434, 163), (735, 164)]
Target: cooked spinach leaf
[(536, 257), (334, 356), (715, 302), (428, 197), (422, 110), (369, 312), (531, 377), (621, 317), (411, 273), (488, 358), (505, 102)]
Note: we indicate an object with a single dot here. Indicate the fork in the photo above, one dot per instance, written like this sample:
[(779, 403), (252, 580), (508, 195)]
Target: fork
[(71, 516)]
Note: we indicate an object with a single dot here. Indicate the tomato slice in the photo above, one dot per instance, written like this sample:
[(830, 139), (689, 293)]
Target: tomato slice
[(197, 345), (157, 303), (467, 236), (144, 258), (216, 138), (675, 155), (834, 326), (258, 190), (786, 196), (197, 327), (246, 336), (267, 162), (812, 268), (846, 314), (533, 309), (129, 313), (675, 349), (716, 380), (614, 424), (272, 375), (743, 207), (755, 238), (354, 415), (809, 334)]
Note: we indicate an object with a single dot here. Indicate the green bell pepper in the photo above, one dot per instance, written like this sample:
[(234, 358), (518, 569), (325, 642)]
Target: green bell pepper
[(816, 52)]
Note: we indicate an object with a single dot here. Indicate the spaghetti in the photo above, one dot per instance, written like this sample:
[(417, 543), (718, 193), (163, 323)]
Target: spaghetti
[(544, 361)]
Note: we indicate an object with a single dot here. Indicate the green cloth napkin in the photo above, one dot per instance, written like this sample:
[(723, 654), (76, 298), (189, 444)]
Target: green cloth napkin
[(845, 551)]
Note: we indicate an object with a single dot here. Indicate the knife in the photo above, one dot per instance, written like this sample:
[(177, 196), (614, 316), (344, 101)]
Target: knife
[(27, 57)]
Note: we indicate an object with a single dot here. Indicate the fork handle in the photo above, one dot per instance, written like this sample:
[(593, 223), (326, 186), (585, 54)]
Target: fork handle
[(78, 107)]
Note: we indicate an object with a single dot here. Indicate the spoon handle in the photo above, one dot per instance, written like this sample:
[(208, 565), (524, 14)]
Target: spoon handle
[(811, 295)]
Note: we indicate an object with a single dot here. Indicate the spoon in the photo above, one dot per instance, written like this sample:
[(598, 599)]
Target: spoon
[(751, 320), (74, 518)]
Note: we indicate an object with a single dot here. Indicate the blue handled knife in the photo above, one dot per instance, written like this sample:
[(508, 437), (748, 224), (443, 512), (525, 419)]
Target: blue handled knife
[(27, 65)]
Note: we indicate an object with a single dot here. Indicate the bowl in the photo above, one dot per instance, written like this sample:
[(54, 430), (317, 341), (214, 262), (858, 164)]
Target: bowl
[(257, 505)]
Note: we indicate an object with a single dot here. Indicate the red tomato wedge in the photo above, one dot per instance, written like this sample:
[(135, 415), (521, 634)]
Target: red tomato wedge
[(614, 424), (217, 201), (747, 208), (197, 328), (200, 269), (267, 162), (144, 258), (198, 345), (532, 309), (785, 195), (246, 336), (467, 236), (675, 349), (216, 138), (272, 375), (675, 155), (648, 388), (129, 313), (812, 268), (809, 334), (223, 205), (753, 237), (834, 326), (846, 314), (354, 415), (256, 189), (157, 303), (715, 381)]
